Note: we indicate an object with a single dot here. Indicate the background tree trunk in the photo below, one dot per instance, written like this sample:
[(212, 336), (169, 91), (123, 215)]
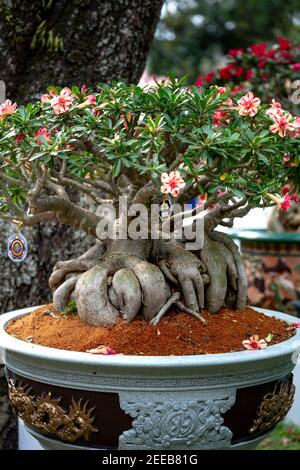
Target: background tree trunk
[(61, 42)]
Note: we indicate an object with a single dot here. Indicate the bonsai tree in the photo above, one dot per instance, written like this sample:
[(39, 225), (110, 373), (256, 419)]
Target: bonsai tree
[(155, 147)]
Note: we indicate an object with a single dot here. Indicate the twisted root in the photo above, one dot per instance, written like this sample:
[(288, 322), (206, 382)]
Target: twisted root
[(121, 281)]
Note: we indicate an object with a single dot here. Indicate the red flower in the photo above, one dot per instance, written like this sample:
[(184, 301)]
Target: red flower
[(285, 190), (284, 44), (235, 52), (286, 203), (270, 54), (248, 74), (199, 81), (259, 49), (209, 77), (225, 72), (19, 138), (239, 71), (283, 204), (261, 63)]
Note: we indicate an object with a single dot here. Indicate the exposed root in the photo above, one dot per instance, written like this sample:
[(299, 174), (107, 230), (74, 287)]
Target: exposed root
[(122, 281), (211, 256), (153, 285), (242, 281), (128, 293), (91, 295), (187, 269), (81, 264), (172, 300), (61, 296), (191, 312), (165, 270)]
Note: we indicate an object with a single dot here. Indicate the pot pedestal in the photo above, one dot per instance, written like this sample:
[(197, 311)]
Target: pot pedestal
[(273, 266), (71, 400)]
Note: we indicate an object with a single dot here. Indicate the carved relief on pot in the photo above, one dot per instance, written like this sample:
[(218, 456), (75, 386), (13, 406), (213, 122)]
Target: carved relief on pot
[(44, 413), (274, 407)]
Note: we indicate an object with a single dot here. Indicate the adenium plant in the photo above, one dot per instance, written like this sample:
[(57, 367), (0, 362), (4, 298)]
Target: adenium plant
[(166, 143)]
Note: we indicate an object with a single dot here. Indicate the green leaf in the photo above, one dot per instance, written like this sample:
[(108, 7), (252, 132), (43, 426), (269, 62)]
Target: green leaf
[(117, 168)]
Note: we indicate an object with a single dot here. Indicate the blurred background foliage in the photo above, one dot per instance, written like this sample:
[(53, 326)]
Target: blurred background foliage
[(193, 35)]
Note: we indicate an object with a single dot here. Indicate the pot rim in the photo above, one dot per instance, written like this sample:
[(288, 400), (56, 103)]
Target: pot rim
[(263, 235), (10, 344)]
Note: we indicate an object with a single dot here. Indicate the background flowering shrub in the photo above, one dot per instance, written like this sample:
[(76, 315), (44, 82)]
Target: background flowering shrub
[(268, 70)]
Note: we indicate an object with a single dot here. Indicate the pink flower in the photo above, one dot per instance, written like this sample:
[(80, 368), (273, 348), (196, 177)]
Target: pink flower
[(295, 67), (83, 90), (7, 108), (104, 350), (286, 158), (43, 133), (91, 99), (47, 97), (220, 118), (295, 324), (255, 343), (248, 105), (63, 101), (221, 89), (172, 183), (283, 122), (237, 89), (275, 108)]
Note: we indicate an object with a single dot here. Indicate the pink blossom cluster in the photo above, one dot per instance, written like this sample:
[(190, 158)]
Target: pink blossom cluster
[(64, 101), (7, 108)]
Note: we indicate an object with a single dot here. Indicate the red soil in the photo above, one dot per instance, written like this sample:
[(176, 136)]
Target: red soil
[(176, 334)]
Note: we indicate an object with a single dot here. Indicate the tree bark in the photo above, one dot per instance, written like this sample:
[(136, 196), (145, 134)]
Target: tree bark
[(102, 41)]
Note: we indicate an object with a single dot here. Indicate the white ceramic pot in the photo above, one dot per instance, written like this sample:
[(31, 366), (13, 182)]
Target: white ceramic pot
[(71, 400)]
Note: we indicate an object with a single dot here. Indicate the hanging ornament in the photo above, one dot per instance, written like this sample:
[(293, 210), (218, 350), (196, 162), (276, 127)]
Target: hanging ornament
[(165, 208), (17, 246)]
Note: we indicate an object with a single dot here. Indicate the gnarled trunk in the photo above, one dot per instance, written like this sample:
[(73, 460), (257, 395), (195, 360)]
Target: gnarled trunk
[(128, 277)]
